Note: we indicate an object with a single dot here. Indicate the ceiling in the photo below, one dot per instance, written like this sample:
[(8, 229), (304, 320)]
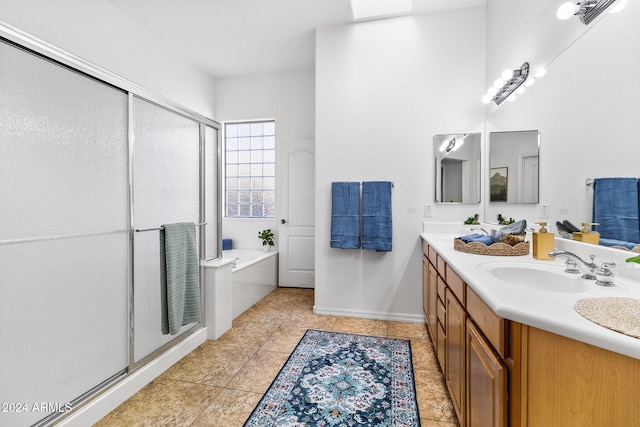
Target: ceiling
[(226, 38)]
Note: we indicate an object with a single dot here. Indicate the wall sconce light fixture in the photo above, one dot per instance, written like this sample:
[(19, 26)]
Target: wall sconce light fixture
[(508, 85), (587, 10)]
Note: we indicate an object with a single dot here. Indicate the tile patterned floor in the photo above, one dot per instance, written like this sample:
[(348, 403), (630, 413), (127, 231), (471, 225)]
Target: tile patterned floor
[(220, 382)]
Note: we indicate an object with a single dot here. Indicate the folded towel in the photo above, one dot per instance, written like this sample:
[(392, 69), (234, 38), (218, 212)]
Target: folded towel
[(376, 216), (477, 237), (613, 242), (179, 276), (615, 208), (345, 215)]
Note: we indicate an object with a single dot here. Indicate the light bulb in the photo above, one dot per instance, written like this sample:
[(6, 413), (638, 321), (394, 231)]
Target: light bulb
[(492, 91), (507, 74), (512, 97), (486, 99), (567, 10), (498, 83), (618, 6), (541, 72), (530, 81), (519, 91), (444, 146)]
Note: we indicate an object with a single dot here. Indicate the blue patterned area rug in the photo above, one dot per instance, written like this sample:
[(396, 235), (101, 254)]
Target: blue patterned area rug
[(342, 380)]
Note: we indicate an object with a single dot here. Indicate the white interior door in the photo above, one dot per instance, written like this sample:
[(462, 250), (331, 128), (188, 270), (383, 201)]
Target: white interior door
[(529, 179), (296, 201)]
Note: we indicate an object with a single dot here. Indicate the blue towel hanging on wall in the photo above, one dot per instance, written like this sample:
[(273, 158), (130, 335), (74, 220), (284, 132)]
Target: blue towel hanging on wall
[(345, 215), (376, 216), (616, 208)]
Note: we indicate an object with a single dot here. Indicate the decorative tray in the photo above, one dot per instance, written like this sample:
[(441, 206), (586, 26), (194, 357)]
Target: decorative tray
[(495, 249)]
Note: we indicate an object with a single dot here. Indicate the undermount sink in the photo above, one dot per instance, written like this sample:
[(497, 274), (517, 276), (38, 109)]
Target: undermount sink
[(549, 278)]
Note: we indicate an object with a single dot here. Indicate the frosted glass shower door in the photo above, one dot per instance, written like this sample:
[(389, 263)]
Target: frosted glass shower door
[(64, 237), (166, 189)]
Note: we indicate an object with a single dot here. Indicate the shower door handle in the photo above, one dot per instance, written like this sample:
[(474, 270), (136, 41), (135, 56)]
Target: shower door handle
[(283, 221)]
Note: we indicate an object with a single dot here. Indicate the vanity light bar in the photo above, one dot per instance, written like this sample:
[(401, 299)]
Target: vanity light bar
[(586, 10), (502, 90), (596, 10)]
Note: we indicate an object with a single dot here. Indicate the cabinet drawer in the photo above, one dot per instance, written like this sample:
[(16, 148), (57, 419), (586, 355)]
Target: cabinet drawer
[(441, 348), (492, 326), (456, 284), (425, 248), (442, 266), (441, 312), (442, 286)]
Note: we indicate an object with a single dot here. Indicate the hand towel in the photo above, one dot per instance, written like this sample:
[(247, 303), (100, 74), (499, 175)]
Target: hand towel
[(477, 237), (615, 208), (345, 215), (517, 228), (613, 242), (179, 276), (376, 216)]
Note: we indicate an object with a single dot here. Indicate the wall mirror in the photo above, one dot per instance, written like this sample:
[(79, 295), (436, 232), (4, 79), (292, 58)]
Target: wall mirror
[(576, 149), (457, 167), (513, 166)]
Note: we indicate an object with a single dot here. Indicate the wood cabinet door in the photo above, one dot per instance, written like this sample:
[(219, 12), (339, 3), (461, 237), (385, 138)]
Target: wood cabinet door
[(425, 288), (455, 354), (486, 397), (432, 299)]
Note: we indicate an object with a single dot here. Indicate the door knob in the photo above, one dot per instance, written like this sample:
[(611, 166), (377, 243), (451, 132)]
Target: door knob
[(283, 221)]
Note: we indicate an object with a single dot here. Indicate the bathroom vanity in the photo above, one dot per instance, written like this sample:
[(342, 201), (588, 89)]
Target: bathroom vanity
[(513, 350)]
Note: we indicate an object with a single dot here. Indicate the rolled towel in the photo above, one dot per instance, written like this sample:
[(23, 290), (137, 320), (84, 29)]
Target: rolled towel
[(480, 238), (517, 228)]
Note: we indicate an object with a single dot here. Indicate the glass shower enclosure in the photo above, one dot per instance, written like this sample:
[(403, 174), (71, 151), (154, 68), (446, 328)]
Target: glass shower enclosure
[(91, 166)]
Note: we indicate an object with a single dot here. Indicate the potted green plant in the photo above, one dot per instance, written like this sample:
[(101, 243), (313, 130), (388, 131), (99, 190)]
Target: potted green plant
[(267, 238), (473, 219)]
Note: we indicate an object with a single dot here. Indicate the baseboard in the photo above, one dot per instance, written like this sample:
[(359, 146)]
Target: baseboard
[(109, 400), (396, 317)]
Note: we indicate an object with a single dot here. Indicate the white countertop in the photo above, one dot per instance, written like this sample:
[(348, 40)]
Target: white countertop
[(549, 311)]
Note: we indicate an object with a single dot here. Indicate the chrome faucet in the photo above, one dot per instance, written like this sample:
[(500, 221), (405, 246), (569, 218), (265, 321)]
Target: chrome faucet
[(588, 269)]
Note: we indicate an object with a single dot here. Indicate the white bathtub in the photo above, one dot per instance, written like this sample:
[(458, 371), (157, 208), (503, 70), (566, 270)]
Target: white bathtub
[(254, 276)]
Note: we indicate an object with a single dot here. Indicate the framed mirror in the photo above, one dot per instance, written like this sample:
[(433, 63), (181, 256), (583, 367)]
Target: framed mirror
[(457, 167), (514, 166)]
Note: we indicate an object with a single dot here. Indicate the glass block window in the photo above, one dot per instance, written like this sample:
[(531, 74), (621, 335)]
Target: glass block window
[(250, 169)]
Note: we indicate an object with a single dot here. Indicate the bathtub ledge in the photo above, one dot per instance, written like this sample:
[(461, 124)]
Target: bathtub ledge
[(217, 263)]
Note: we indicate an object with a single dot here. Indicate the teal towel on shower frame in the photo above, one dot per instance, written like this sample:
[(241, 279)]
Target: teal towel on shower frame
[(345, 215), (376, 216), (179, 276)]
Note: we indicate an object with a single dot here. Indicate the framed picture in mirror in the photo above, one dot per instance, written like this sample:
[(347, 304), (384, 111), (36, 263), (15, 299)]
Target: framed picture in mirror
[(498, 181)]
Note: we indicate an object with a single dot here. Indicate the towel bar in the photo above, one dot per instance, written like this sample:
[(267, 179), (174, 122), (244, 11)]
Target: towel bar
[(138, 230)]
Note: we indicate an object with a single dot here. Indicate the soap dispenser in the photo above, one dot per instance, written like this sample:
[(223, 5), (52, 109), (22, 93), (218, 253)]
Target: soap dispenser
[(543, 242), (586, 235)]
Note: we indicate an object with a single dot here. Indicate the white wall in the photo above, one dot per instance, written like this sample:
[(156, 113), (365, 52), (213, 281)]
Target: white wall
[(96, 31), (383, 90), (586, 109), (287, 98)]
